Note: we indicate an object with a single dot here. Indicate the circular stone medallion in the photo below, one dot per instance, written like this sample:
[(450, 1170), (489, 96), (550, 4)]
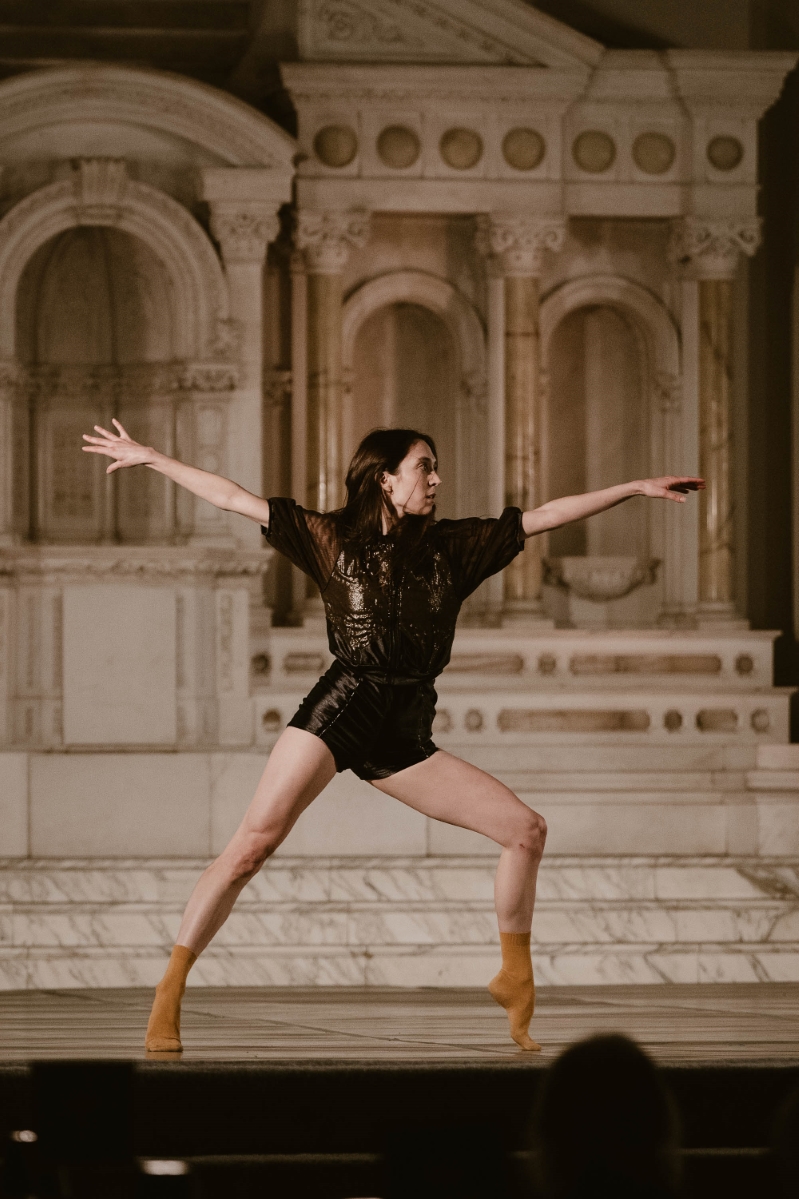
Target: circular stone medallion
[(724, 152), (594, 151), (523, 149), (653, 153), (398, 147), (336, 145), (461, 148)]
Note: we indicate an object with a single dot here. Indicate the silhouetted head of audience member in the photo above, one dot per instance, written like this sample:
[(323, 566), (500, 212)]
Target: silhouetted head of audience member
[(605, 1125)]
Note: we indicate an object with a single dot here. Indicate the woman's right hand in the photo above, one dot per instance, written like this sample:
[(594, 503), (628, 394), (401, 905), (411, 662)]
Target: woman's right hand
[(122, 448)]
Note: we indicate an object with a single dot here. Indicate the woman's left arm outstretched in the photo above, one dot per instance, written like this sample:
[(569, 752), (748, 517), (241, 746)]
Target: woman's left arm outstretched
[(562, 511)]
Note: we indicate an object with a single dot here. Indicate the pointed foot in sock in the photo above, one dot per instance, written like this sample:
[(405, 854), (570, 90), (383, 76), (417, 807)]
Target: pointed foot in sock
[(156, 1044), (526, 1042), (517, 997)]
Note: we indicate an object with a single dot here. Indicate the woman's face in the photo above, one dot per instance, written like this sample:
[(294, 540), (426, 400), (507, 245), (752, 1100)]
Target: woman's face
[(413, 488)]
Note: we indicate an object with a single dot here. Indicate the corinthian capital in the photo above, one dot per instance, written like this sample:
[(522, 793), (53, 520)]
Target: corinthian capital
[(327, 237), (243, 228), (709, 248), (516, 242)]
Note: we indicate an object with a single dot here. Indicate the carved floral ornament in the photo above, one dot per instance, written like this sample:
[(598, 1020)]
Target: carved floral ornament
[(517, 242), (709, 248), (327, 237), (243, 229)]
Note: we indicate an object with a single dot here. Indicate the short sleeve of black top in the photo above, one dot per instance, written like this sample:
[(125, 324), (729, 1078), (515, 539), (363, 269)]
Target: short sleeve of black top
[(478, 548), (308, 539)]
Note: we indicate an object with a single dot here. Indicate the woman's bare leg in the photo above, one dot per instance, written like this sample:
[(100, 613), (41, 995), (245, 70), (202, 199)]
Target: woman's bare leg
[(299, 767), (449, 789)]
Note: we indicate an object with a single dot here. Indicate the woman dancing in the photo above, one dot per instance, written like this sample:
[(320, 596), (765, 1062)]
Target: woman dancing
[(392, 580)]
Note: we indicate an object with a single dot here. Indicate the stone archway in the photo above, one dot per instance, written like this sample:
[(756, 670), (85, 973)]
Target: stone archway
[(100, 192)]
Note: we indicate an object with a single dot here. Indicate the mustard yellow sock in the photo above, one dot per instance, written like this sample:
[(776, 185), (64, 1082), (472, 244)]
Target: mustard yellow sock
[(514, 987), (163, 1028)]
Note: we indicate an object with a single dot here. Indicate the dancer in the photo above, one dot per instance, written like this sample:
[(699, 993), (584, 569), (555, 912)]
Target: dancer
[(392, 580)]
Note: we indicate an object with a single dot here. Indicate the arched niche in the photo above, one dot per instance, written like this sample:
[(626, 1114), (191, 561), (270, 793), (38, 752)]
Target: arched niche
[(414, 353), (99, 192), (95, 335), (611, 359), (120, 300)]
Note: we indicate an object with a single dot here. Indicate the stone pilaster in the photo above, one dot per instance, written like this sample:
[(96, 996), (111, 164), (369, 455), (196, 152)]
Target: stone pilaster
[(326, 239), (244, 205), (708, 250), (516, 244)]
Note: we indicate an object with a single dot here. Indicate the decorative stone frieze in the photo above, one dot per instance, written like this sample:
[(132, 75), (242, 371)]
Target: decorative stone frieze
[(111, 384), (709, 248), (48, 565), (516, 242), (243, 228), (326, 237)]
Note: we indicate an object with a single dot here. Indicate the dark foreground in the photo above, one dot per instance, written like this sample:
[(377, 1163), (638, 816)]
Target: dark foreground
[(317, 1092)]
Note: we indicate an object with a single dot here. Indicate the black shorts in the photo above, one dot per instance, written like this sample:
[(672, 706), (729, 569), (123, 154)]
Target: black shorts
[(374, 729)]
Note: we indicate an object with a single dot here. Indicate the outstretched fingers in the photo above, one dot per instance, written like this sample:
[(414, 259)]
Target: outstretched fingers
[(122, 433)]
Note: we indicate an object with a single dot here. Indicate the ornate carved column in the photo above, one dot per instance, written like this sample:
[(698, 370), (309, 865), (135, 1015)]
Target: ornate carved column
[(708, 250), (516, 244), (326, 239), (244, 220)]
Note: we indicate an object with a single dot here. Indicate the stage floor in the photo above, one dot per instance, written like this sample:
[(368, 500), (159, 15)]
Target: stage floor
[(749, 1023)]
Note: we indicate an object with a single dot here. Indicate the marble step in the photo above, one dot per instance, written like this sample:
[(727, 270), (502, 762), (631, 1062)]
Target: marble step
[(367, 925), (403, 921), (45, 882), (405, 966)]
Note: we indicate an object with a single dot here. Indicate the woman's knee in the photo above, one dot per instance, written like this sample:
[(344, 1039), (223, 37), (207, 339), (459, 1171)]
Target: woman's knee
[(247, 853), (531, 834)]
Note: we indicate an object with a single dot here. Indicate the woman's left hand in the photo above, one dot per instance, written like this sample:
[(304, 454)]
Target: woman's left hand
[(671, 487)]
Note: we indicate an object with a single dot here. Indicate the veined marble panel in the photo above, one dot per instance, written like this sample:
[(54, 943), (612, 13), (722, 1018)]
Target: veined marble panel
[(403, 921)]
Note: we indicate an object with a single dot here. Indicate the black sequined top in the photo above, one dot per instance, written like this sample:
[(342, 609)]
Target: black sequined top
[(394, 626)]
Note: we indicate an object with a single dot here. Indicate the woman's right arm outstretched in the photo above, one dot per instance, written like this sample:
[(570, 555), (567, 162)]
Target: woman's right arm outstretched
[(219, 491)]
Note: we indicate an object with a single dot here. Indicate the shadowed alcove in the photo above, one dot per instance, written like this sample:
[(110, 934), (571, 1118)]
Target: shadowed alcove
[(94, 318), (597, 427)]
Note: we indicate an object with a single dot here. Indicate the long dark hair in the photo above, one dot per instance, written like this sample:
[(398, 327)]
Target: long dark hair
[(380, 452)]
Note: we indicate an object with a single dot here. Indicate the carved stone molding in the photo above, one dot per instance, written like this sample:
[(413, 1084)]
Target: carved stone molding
[(130, 383), (208, 376), (243, 228), (327, 237), (89, 92), (516, 242), (710, 248), (100, 185), (108, 563)]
